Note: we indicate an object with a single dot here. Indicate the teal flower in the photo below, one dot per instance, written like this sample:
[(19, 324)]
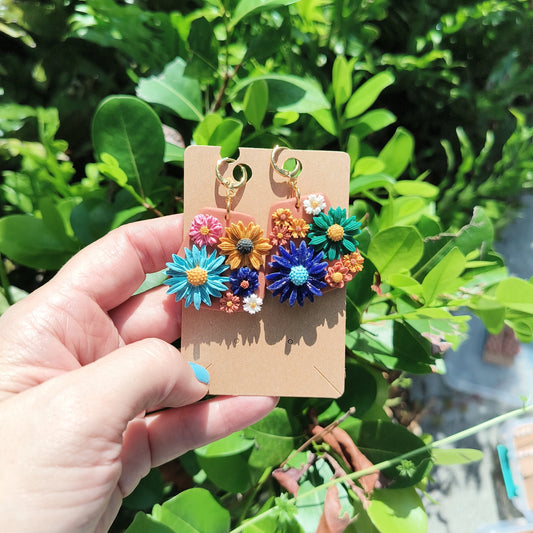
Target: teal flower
[(333, 233), (197, 276)]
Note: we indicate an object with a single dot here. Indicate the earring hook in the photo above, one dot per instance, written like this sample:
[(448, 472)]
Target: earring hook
[(292, 175), (229, 182)]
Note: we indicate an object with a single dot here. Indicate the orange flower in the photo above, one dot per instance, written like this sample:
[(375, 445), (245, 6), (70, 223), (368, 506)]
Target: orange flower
[(298, 227), (281, 217), (338, 275), (279, 235), (244, 246), (353, 262), (229, 302)]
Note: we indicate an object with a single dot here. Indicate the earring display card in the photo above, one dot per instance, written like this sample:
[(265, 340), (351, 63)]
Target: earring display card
[(282, 350)]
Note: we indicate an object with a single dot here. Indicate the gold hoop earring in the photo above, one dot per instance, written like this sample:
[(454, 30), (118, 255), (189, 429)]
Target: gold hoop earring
[(292, 175), (230, 183)]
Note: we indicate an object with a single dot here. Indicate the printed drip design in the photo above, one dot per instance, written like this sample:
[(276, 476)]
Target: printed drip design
[(316, 249), (224, 267)]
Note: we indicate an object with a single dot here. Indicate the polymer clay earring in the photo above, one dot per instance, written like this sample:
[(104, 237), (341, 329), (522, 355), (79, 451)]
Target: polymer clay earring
[(316, 245), (223, 263)]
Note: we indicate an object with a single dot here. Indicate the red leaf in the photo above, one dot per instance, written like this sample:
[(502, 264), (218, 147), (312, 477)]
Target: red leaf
[(343, 445), (330, 521), (289, 478)]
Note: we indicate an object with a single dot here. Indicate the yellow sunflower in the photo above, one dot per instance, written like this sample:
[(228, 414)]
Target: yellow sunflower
[(244, 246)]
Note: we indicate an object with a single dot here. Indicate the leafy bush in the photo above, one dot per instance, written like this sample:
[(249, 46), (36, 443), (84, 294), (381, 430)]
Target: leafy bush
[(337, 76)]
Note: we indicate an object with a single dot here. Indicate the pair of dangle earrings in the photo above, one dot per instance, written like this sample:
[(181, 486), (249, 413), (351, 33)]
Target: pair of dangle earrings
[(226, 267)]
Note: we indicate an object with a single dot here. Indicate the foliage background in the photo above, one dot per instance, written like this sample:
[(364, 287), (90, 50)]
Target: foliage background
[(431, 100)]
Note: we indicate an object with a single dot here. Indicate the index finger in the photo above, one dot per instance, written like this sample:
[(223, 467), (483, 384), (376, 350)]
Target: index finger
[(112, 268)]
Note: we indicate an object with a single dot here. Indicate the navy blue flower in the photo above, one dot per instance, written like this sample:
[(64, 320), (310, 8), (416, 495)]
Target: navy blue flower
[(298, 273), (244, 281)]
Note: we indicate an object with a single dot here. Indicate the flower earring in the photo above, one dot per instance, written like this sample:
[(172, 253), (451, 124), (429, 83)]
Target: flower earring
[(316, 245), (223, 267)]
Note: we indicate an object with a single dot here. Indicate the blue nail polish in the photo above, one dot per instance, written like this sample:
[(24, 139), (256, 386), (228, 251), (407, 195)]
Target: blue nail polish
[(202, 375)]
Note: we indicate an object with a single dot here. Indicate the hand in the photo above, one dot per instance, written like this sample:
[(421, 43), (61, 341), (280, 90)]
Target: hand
[(81, 361)]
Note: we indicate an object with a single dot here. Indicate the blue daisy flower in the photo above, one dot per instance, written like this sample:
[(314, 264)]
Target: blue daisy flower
[(197, 276), (244, 281), (299, 273)]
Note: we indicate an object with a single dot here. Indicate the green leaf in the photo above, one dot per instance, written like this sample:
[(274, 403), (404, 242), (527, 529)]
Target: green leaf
[(367, 94), (288, 93), (325, 118), (143, 523), (368, 165), (406, 284), (148, 492), (173, 89), (310, 507), (27, 240), (226, 462), (53, 219), (227, 135), (361, 388), (246, 8), (372, 121), (92, 219), (130, 131), (397, 153), (440, 322), (353, 147), (478, 233), (359, 291), (198, 509), (206, 128), (173, 153), (491, 312), (275, 438), (398, 511), (516, 294), (203, 45), (284, 118), (395, 250), (416, 188), (409, 345), (456, 456), (368, 183), (342, 80), (151, 280), (444, 277), (403, 211), (381, 440), (255, 103)]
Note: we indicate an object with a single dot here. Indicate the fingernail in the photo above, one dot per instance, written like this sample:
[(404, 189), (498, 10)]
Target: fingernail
[(202, 375)]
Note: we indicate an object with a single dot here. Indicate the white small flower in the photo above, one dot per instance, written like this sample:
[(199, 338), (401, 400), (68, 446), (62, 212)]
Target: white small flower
[(252, 304), (314, 204)]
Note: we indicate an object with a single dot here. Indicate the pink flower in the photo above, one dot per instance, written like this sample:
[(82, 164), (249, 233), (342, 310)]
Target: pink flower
[(279, 235), (338, 275), (229, 302), (205, 230)]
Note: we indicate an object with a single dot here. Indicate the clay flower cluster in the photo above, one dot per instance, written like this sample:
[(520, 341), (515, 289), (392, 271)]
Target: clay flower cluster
[(237, 251), (326, 256)]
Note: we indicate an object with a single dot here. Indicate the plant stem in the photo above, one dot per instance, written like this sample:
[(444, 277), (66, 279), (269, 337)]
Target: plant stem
[(5, 282), (262, 480), (397, 460)]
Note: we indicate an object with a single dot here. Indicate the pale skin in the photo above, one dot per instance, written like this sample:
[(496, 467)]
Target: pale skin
[(81, 361)]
